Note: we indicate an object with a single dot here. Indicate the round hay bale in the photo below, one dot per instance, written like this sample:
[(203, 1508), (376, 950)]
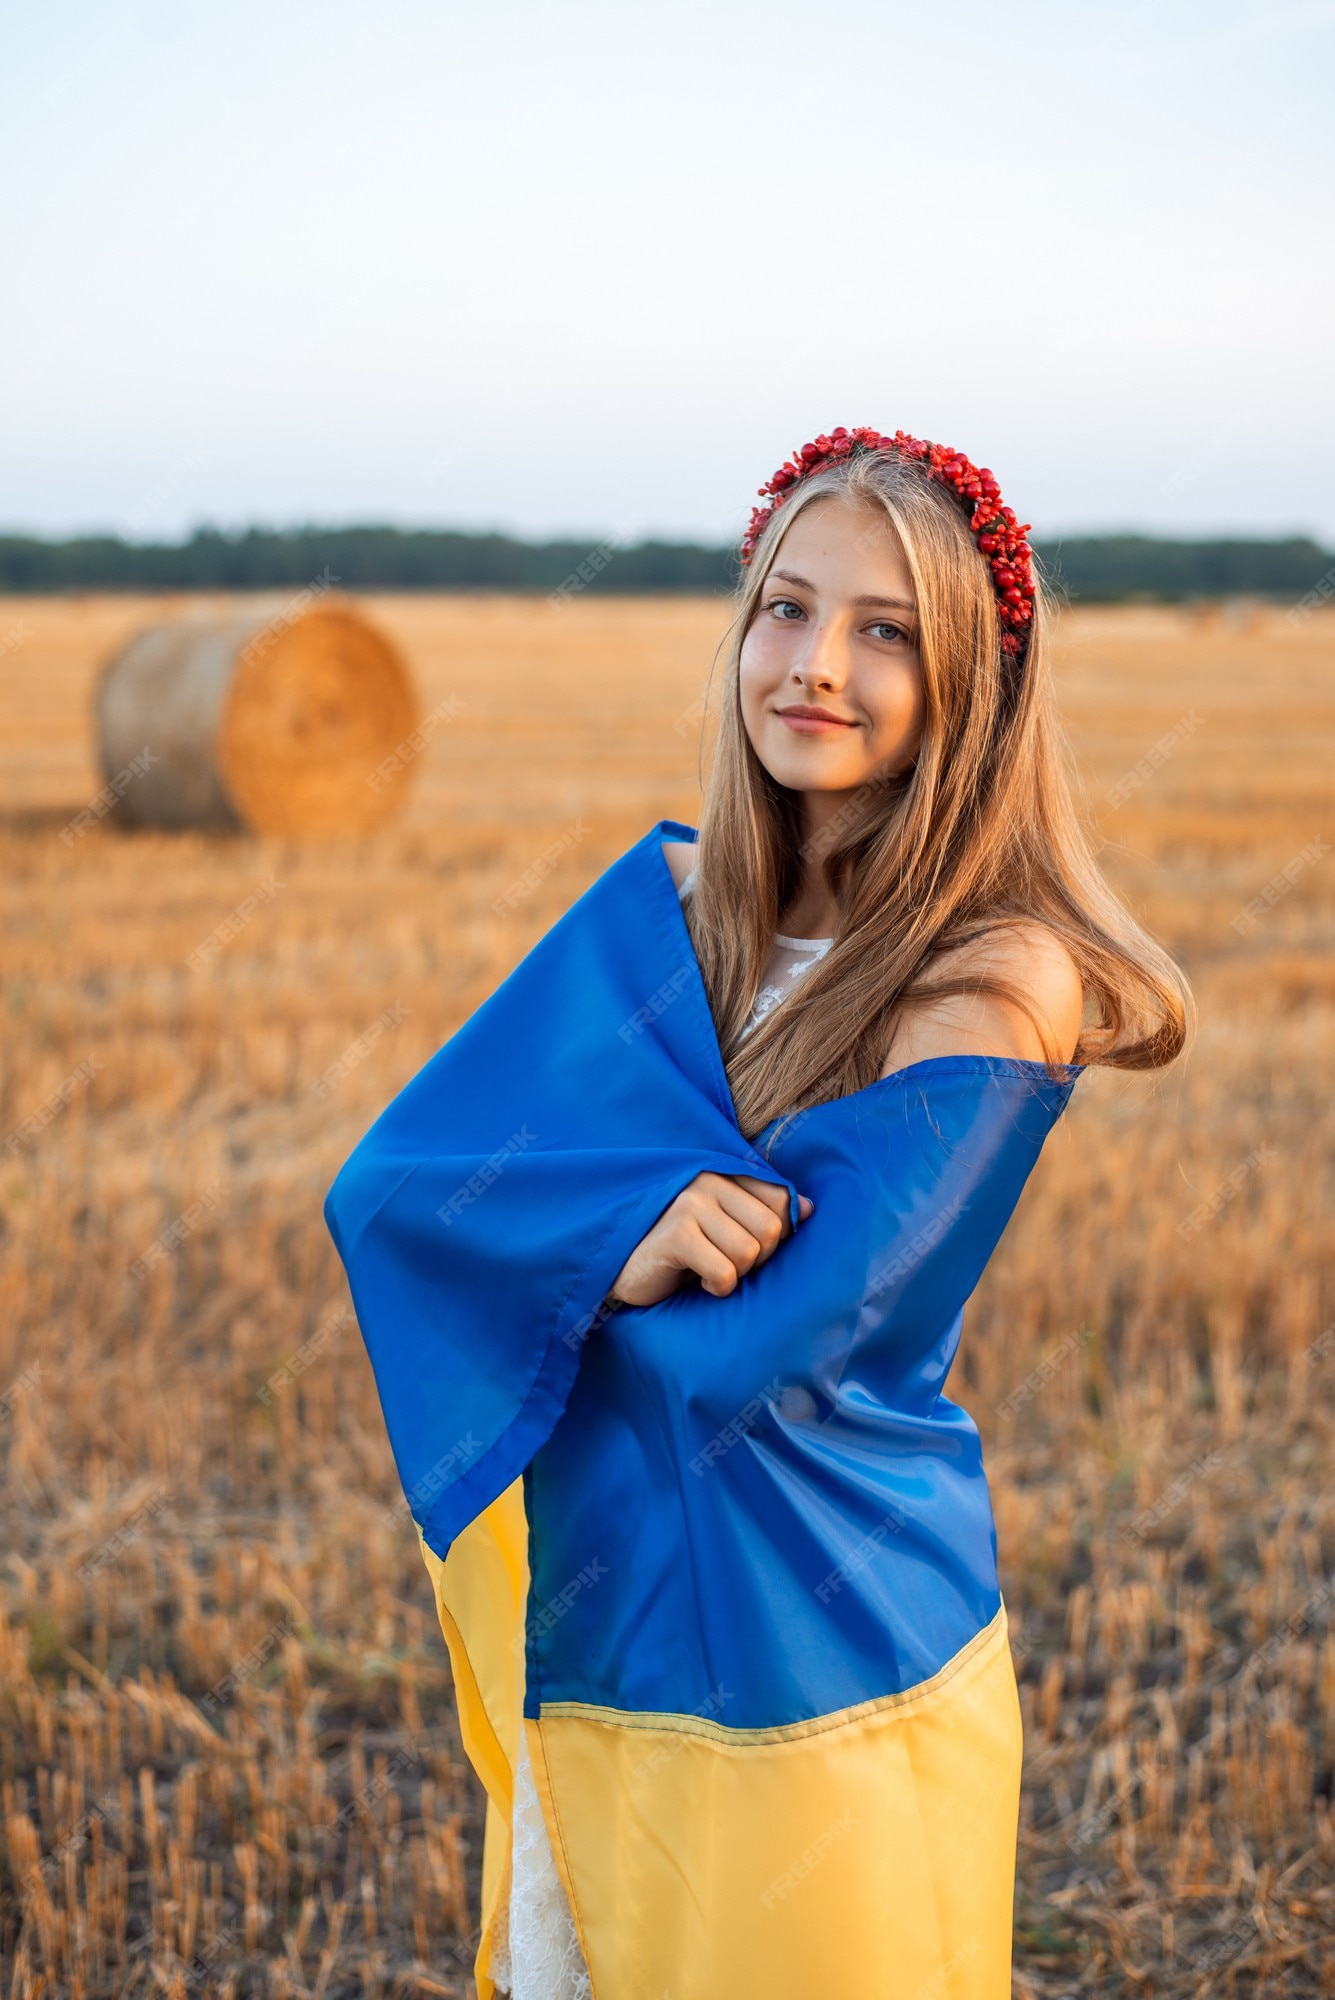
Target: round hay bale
[(279, 719)]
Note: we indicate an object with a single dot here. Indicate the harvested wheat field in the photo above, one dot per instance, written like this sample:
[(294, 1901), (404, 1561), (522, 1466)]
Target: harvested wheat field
[(228, 1753)]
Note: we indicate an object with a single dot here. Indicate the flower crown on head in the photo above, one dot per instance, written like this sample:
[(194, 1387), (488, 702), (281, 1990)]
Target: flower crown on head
[(995, 529)]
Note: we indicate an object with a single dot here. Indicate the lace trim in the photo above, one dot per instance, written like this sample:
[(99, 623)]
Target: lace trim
[(771, 993), (540, 1958), (804, 953)]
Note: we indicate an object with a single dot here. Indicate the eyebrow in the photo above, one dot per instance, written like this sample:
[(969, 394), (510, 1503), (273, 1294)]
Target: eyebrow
[(867, 603)]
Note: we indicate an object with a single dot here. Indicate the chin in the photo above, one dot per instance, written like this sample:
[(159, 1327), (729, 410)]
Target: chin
[(808, 764), (801, 775)]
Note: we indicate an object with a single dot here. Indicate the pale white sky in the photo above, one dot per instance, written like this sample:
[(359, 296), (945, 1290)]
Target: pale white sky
[(600, 268)]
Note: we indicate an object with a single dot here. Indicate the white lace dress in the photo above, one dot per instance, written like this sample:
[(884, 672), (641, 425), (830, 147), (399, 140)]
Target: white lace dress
[(535, 1952), (789, 958)]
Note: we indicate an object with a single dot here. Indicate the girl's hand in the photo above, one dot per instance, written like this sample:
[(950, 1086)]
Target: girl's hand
[(720, 1227)]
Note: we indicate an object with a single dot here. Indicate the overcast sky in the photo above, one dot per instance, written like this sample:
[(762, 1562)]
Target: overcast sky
[(600, 268)]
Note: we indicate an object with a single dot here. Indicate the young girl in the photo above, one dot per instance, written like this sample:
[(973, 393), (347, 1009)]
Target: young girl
[(720, 1589)]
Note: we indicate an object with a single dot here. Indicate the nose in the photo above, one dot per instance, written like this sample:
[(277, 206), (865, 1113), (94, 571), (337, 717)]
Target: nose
[(824, 664)]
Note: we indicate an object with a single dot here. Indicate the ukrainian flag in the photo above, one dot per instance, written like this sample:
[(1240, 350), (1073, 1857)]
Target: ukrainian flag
[(729, 1563)]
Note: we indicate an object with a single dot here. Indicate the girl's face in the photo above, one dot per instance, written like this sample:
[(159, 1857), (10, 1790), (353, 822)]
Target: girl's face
[(831, 688)]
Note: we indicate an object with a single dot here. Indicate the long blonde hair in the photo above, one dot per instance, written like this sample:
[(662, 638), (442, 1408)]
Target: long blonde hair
[(981, 829)]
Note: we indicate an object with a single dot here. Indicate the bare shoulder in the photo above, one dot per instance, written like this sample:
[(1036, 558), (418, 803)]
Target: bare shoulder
[(680, 858), (1026, 951), (1028, 957)]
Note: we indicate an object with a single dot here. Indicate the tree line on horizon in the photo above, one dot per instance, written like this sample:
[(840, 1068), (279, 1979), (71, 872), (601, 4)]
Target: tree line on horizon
[(1095, 569)]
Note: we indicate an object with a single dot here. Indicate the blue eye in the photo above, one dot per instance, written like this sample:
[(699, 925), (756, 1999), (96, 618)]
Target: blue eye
[(895, 631), (781, 604)]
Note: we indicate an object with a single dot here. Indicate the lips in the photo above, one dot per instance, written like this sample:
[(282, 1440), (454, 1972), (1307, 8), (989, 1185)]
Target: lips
[(807, 719)]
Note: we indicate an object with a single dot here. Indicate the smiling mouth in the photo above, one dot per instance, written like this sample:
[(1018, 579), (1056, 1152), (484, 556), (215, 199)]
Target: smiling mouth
[(812, 721)]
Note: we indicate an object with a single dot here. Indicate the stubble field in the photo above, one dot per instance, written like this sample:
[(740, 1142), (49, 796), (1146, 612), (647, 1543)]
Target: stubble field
[(227, 1745)]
